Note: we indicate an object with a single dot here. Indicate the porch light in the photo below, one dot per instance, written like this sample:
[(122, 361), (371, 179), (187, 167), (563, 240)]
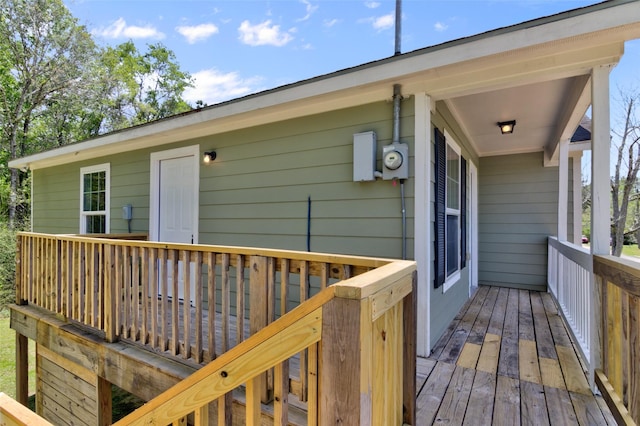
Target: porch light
[(209, 156), (506, 127)]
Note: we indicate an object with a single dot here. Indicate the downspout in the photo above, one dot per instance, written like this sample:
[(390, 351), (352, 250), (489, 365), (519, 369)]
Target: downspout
[(397, 97)]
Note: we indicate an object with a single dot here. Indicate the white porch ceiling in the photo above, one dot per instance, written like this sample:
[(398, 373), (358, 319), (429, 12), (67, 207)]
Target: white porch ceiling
[(544, 113)]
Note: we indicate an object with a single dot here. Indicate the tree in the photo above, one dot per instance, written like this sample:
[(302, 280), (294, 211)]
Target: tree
[(58, 87), (44, 55), (141, 87), (623, 182)]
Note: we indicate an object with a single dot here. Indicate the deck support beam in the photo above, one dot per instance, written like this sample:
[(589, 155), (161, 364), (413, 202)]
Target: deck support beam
[(22, 369)]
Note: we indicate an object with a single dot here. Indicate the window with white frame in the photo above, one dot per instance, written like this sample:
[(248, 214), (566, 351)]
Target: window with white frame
[(94, 199), (450, 210), (452, 229)]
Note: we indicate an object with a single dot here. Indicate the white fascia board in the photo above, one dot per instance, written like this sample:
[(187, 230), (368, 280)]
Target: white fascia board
[(599, 24)]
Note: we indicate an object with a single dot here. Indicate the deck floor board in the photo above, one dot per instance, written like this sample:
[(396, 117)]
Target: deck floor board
[(506, 359)]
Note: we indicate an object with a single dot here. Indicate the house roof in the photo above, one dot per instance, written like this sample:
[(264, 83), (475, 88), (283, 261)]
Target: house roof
[(537, 72), (581, 134)]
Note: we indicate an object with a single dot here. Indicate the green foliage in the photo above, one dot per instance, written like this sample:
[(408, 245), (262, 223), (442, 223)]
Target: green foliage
[(141, 87), (57, 87), (7, 266)]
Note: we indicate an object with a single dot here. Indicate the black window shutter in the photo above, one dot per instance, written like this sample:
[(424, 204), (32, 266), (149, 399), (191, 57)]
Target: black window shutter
[(463, 212), (440, 207)]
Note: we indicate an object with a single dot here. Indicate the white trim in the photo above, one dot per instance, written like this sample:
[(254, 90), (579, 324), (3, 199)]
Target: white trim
[(154, 179), (600, 165), (423, 224), (105, 167), (473, 234), (577, 197), (455, 277), (563, 188)]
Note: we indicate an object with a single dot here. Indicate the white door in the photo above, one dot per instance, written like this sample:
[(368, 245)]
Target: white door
[(176, 202), (175, 177)]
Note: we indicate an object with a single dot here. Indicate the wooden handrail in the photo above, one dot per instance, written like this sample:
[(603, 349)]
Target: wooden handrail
[(300, 328), (12, 413), (619, 377), (367, 262)]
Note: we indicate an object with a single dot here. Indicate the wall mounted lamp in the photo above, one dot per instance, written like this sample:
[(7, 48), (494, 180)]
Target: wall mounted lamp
[(506, 127), (209, 156)]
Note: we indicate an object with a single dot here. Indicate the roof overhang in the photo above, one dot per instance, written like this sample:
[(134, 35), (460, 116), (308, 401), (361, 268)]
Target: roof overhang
[(563, 47)]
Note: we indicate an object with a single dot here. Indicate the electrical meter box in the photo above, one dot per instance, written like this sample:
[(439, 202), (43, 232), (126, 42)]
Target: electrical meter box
[(395, 161), (364, 156)]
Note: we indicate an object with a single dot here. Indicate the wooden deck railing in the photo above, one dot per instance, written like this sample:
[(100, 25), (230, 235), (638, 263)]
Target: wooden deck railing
[(125, 289), (619, 379), (570, 279), (361, 365)]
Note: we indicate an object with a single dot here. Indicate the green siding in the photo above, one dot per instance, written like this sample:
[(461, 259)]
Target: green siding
[(256, 191), (518, 204)]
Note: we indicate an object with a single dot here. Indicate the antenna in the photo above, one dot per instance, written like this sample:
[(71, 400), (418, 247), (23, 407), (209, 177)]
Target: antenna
[(398, 27)]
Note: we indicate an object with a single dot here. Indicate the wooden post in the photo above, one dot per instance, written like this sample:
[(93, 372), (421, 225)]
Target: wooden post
[(110, 299), (409, 353), (103, 400), (22, 369), (258, 313), (345, 396), (22, 343)]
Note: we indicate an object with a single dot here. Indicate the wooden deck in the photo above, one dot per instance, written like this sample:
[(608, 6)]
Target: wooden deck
[(506, 359)]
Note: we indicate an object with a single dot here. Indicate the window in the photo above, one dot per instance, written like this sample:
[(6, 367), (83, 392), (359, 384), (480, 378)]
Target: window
[(450, 220), (94, 199)]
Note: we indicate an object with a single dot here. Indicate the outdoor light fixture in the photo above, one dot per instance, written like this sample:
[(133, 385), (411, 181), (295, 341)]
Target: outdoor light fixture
[(209, 156), (506, 127)]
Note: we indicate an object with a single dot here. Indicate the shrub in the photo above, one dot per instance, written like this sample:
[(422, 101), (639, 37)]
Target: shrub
[(7, 266)]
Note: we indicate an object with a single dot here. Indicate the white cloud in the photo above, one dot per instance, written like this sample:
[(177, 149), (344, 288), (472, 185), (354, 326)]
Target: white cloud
[(440, 26), (310, 10), (263, 34), (330, 22), (197, 33), (120, 29), (384, 22), (372, 4), (212, 86)]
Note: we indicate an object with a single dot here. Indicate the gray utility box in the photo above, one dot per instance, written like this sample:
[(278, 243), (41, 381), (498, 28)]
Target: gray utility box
[(364, 156)]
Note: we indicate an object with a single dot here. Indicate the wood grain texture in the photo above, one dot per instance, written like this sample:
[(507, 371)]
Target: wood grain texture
[(507, 402), (533, 407), (455, 400)]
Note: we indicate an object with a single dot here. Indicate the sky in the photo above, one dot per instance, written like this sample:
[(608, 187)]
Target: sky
[(234, 48)]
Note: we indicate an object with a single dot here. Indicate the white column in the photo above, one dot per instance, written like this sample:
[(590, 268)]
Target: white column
[(600, 201), (563, 189), (422, 225), (600, 158), (577, 198)]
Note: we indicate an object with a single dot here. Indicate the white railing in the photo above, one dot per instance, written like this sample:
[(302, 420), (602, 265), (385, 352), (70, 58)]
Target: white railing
[(571, 282)]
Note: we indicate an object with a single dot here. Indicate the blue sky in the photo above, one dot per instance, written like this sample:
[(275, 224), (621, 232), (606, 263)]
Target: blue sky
[(233, 48)]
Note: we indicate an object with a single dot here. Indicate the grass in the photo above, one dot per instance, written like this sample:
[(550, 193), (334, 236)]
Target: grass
[(631, 250), (8, 359)]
